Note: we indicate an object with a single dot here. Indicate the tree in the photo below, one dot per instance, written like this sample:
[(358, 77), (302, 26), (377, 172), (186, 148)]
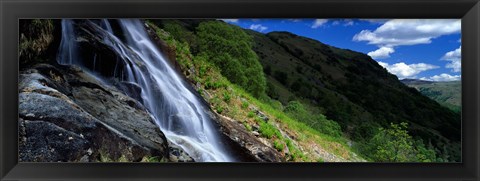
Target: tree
[(230, 48), (394, 144)]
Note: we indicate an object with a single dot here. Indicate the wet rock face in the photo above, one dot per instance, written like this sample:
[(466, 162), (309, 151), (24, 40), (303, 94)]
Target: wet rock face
[(67, 115)]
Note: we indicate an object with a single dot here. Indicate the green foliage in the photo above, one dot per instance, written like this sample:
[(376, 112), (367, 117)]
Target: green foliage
[(278, 145), (267, 130), (211, 84), (244, 104), (295, 106), (272, 91), (247, 126), (229, 48), (226, 97), (180, 33), (219, 109), (317, 121), (394, 144), (250, 114)]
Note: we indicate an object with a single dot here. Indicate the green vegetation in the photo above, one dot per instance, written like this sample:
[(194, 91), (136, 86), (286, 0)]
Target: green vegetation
[(394, 144), (315, 95), (268, 130), (278, 145), (352, 90), (229, 48), (297, 110)]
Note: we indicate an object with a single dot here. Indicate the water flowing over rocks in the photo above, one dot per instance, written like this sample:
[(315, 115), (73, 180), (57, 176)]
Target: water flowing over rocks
[(66, 114)]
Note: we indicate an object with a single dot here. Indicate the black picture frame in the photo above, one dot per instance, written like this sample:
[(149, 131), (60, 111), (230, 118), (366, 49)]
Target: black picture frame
[(12, 10)]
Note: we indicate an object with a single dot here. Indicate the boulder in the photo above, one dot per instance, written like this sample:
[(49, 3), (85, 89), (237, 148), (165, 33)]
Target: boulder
[(246, 141), (68, 115)]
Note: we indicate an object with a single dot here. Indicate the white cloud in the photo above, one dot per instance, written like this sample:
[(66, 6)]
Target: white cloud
[(442, 77), (401, 32), (382, 52), (231, 20), (319, 22), (258, 27), (409, 31), (455, 59), (295, 20), (348, 22), (402, 70), (344, 22)]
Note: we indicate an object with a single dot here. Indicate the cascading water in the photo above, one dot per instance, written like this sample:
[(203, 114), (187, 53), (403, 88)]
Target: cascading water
[(67, 53), (177, 111)]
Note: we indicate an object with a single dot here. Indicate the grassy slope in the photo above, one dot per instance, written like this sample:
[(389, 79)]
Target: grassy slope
[(352, 89), (447, 94), (297, 141)]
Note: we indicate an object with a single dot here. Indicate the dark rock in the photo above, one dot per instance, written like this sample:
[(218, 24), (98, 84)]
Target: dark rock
[(259, 113), (45, 141), (247, 141), (83, 122), (177, 154), (131, 89)]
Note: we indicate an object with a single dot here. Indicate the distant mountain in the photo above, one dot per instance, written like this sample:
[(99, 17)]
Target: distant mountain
[(447, 94), (415, 82)]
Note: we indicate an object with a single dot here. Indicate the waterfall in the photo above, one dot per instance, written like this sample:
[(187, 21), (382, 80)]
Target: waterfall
[(67, 53), (176, 110)]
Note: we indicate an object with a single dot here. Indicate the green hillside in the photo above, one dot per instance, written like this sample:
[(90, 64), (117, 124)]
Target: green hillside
[(447, 94), (339, 100), (352, 89)]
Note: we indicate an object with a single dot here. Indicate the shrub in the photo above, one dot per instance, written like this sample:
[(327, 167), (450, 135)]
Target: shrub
[(251, 114), (244, 104), (219, 109)]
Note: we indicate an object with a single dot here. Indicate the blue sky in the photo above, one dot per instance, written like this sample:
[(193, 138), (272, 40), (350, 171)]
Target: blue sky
[(409, 48)]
